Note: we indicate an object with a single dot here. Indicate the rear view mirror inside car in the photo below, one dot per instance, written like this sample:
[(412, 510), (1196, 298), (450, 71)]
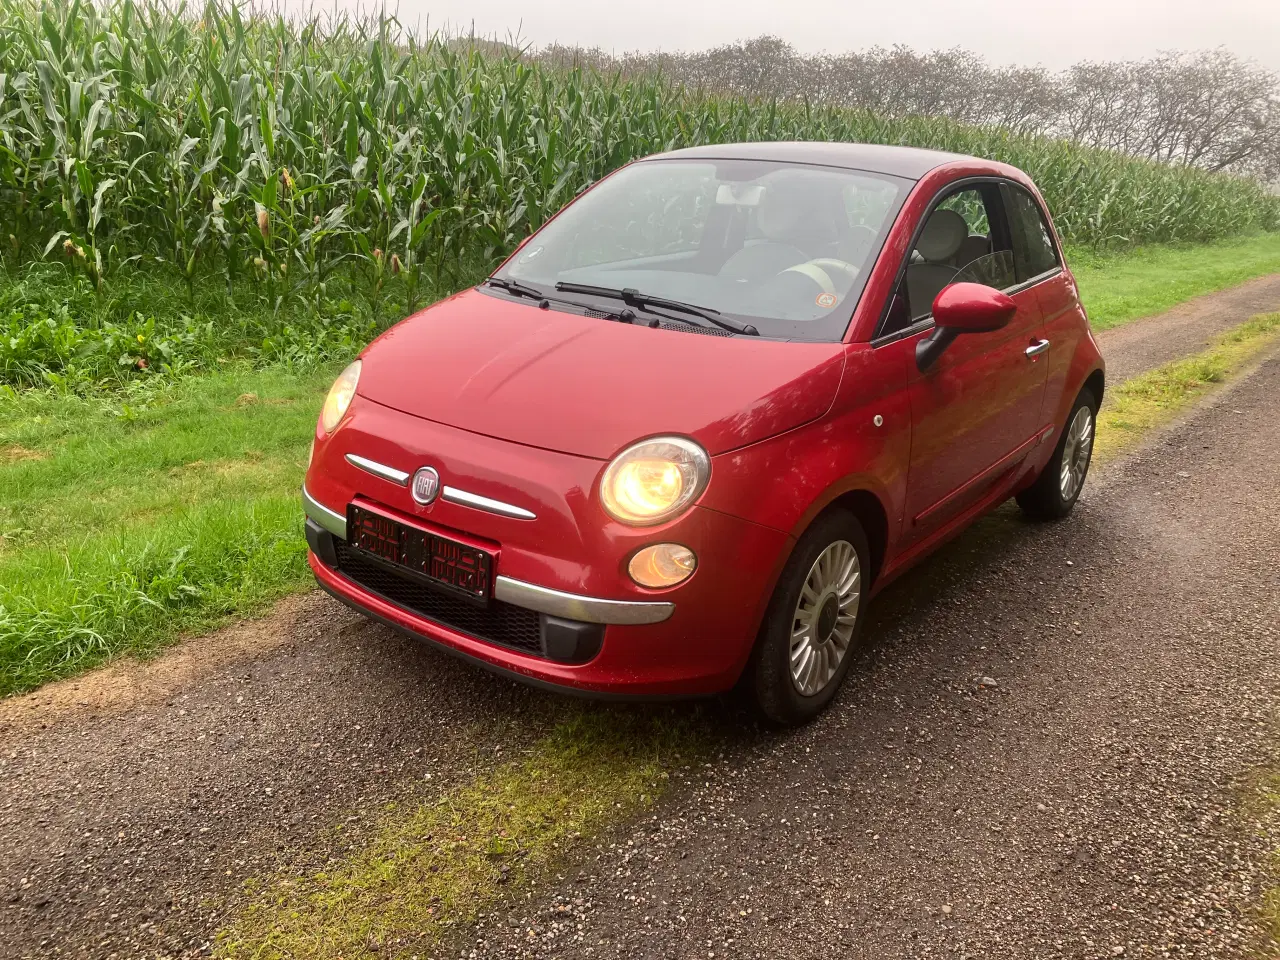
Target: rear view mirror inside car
[(740, 194)]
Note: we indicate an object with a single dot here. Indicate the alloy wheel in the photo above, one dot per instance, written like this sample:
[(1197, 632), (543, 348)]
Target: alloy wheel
[(1076, 453), (825, 616)]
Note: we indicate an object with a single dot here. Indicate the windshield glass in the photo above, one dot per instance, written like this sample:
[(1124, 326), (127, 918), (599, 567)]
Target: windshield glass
[(786, 247)]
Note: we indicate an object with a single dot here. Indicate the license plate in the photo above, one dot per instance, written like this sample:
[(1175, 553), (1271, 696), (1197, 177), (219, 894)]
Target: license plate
[(438, 561)]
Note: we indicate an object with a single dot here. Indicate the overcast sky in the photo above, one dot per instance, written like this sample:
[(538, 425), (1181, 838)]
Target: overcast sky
[(1005, 31)]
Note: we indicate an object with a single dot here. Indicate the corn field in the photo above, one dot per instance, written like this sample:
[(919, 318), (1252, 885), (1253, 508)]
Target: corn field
[(275, 152)]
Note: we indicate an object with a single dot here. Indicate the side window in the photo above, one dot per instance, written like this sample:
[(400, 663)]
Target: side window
[(1033, 252), (957, 243)]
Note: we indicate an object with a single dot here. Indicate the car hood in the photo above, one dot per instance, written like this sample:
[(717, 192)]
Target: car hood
[(589, 386)]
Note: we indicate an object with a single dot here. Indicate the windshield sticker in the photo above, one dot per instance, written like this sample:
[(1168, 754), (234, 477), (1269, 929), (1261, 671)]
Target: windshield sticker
[(826, 300)]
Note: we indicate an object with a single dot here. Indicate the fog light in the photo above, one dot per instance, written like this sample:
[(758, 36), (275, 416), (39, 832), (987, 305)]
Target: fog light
[(662, 565)]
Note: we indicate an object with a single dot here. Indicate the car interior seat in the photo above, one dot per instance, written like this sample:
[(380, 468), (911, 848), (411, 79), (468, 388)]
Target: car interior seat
[(973, 247), (942, 238)]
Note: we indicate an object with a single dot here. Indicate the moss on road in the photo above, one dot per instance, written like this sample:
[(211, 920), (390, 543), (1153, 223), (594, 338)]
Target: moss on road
[(435, 867), (1147, 402)]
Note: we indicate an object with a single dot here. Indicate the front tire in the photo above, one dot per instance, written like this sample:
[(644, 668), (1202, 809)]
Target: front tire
[(1058, 487), (813, 623)]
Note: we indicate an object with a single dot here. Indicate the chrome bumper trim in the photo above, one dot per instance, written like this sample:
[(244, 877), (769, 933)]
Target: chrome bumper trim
[(335, 523), (572, 606), (380, 470), (466, 499), (452, 494)]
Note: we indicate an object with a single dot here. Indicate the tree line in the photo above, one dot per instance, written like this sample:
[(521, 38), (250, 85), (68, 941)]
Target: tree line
[(1210, 109)]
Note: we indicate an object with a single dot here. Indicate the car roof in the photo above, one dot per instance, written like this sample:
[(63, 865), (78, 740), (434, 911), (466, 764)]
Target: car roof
[(909, 162)]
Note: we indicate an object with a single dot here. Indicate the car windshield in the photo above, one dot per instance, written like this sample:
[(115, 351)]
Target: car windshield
[(785, 247)]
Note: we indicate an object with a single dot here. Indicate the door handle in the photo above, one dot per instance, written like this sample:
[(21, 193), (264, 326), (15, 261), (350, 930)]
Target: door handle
[(1037, 348)]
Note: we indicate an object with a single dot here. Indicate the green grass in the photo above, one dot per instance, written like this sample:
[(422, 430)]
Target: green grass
[(1270, 796), (1259, 810), (1137, 283), (131, 518), (1138, 406), (56, 329), (434, 867)]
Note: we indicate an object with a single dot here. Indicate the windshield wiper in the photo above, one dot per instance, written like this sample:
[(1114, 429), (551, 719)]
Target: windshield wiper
[(634, 298), (516, 287), (519, 289)]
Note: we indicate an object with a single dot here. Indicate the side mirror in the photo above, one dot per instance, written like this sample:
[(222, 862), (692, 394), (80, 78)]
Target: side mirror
[(963, 308)]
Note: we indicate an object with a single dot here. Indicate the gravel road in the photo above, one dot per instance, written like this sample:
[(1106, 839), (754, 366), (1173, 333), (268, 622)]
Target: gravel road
[(1041, 759), (1038, 759)]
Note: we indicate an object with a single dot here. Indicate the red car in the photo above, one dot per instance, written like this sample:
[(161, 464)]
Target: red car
[(699, 419)]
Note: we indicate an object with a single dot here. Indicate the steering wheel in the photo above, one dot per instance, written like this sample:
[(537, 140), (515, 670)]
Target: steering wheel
[(829, 275)]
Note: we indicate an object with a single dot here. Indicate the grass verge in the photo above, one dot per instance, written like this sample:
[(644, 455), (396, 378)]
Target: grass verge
[(431, 869), (57, 330), (129, 519), (1271, 896), (1143, 281), (1137, 406), (1260, 811)]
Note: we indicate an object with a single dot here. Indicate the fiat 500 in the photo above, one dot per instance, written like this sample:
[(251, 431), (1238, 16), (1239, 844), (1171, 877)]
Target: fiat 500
[(701, 417)]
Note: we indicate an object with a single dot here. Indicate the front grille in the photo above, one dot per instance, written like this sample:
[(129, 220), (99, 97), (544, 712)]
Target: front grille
[(501, 623)]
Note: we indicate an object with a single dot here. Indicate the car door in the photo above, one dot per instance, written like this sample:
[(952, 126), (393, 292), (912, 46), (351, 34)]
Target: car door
[(976, 410), (1038, 265)]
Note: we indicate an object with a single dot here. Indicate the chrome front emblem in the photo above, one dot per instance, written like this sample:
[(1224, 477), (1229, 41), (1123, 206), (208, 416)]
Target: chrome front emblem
[(426, 485)]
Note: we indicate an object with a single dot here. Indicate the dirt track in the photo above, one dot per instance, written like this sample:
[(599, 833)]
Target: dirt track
[(1136, 667), (1187, 328)]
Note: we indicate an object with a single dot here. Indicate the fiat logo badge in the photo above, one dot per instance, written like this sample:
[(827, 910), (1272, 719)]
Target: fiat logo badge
[(426, 485)]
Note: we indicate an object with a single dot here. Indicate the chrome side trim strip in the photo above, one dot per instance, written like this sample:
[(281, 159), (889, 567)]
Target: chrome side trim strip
[(329, 520), (454, 495), (572, 606), (398, 477)]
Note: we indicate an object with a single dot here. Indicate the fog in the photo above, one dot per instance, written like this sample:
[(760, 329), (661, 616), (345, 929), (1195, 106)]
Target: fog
[(1004, 31)]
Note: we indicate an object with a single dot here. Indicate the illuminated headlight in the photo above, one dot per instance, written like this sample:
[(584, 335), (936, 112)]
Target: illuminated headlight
[(654, 480), (662, 565), (339, 398)]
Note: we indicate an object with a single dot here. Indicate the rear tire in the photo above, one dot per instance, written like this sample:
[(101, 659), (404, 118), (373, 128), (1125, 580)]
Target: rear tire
[(811, 629), (1058, 487)]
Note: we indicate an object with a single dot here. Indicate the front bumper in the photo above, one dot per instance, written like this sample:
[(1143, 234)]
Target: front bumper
[(556, 603), (563, 566)]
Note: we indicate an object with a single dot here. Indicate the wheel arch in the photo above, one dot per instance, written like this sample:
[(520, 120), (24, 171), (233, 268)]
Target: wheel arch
[(1095, 383), (870, 512)]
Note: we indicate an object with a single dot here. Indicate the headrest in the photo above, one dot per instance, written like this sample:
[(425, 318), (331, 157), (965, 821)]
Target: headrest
[(942, 235), (974, 247), (789, 207)]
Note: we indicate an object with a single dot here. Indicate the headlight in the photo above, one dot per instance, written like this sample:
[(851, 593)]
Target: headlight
[(654, 480), (339, 398)]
